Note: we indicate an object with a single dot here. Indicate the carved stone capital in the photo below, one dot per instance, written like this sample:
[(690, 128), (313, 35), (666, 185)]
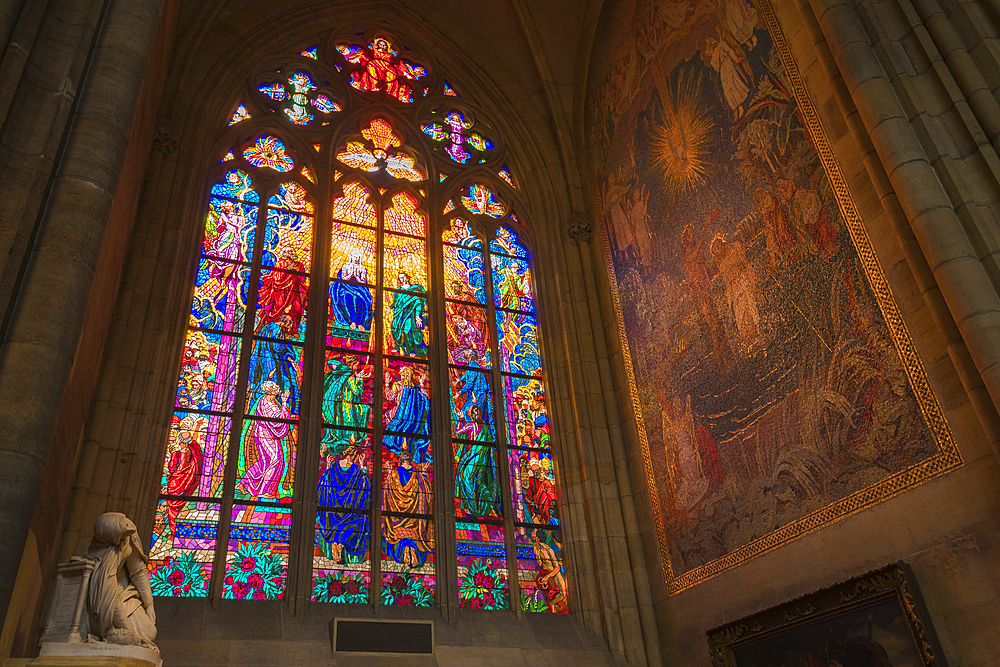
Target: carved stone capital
[(165, 137), (579, 227)]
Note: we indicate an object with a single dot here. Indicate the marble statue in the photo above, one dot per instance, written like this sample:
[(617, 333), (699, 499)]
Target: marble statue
[(119, 598)]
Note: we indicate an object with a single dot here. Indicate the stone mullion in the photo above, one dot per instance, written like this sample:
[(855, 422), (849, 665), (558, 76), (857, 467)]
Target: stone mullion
[(310, 428), (446, 545), (375, 350), (496, 382), (239, 409), (300, 539)]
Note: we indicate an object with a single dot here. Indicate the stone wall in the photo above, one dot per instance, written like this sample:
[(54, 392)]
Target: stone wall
[(270, 634)]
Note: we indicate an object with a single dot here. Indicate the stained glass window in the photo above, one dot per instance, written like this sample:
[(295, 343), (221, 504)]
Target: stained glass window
[(456, 139), (323, 344)]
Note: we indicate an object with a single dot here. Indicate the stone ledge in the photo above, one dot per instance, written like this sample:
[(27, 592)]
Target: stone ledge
[(86, 654)]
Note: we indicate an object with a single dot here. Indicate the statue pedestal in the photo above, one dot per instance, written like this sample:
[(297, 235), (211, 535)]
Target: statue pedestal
[(66, 620), (95, 654)]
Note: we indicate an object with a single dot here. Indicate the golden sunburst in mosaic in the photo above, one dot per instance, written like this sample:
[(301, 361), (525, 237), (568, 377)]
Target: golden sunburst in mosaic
[(681, 146)]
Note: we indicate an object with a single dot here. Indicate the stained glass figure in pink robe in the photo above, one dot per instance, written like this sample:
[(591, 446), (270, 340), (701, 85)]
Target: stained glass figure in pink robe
[(265, 452)]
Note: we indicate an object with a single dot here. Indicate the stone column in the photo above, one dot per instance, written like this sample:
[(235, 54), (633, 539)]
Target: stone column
[(41, 93), (9, 10), (635, 599), (41, 338), (965, 285), (936, 306)]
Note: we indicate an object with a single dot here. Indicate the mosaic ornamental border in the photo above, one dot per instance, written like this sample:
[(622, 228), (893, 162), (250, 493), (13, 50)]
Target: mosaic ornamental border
[(948, 456)]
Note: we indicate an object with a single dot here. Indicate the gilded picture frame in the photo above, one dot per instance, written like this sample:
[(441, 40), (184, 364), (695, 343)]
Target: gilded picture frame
[(876, 618)]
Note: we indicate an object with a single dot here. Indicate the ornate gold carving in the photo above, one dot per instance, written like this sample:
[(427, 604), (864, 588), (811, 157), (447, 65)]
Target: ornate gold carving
[(796, 613), (948, 456)]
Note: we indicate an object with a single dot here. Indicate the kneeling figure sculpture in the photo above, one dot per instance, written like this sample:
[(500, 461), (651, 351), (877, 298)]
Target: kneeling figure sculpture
[(119, 598)]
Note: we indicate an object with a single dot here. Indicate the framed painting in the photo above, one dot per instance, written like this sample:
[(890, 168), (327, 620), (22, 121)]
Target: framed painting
[(875, 620)]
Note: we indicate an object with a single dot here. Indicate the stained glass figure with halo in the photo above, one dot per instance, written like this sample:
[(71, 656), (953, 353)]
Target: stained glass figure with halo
[(382, 68), (455, 136)]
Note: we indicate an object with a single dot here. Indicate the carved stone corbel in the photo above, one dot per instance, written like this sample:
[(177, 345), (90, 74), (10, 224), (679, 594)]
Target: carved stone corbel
[(579, 227)]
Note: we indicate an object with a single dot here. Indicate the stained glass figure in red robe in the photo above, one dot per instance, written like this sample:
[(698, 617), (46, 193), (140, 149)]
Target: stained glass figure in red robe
[(184, 457), (282, 293), (382, 68)]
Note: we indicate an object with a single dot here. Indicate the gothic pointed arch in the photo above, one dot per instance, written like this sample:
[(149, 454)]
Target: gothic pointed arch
[(361, 414)]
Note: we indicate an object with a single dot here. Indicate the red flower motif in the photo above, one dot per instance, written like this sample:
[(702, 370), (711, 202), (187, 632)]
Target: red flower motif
[(229, 580), (475, 603), (187, 587), (255, 581), (488, 599), (240, 590), (397, 582), (259, 595), (248, 564), (352, 587), (335, 588), (176, 578), (480, 580), (405, 600), (178, 592)]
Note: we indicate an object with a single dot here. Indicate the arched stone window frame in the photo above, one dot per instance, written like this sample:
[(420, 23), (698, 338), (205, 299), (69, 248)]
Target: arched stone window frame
[(348, 122)]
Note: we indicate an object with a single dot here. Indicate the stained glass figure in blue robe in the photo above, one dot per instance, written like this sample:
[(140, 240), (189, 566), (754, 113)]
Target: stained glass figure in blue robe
[(277, 361), (411, 415), (351, 305), (345, 483)]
